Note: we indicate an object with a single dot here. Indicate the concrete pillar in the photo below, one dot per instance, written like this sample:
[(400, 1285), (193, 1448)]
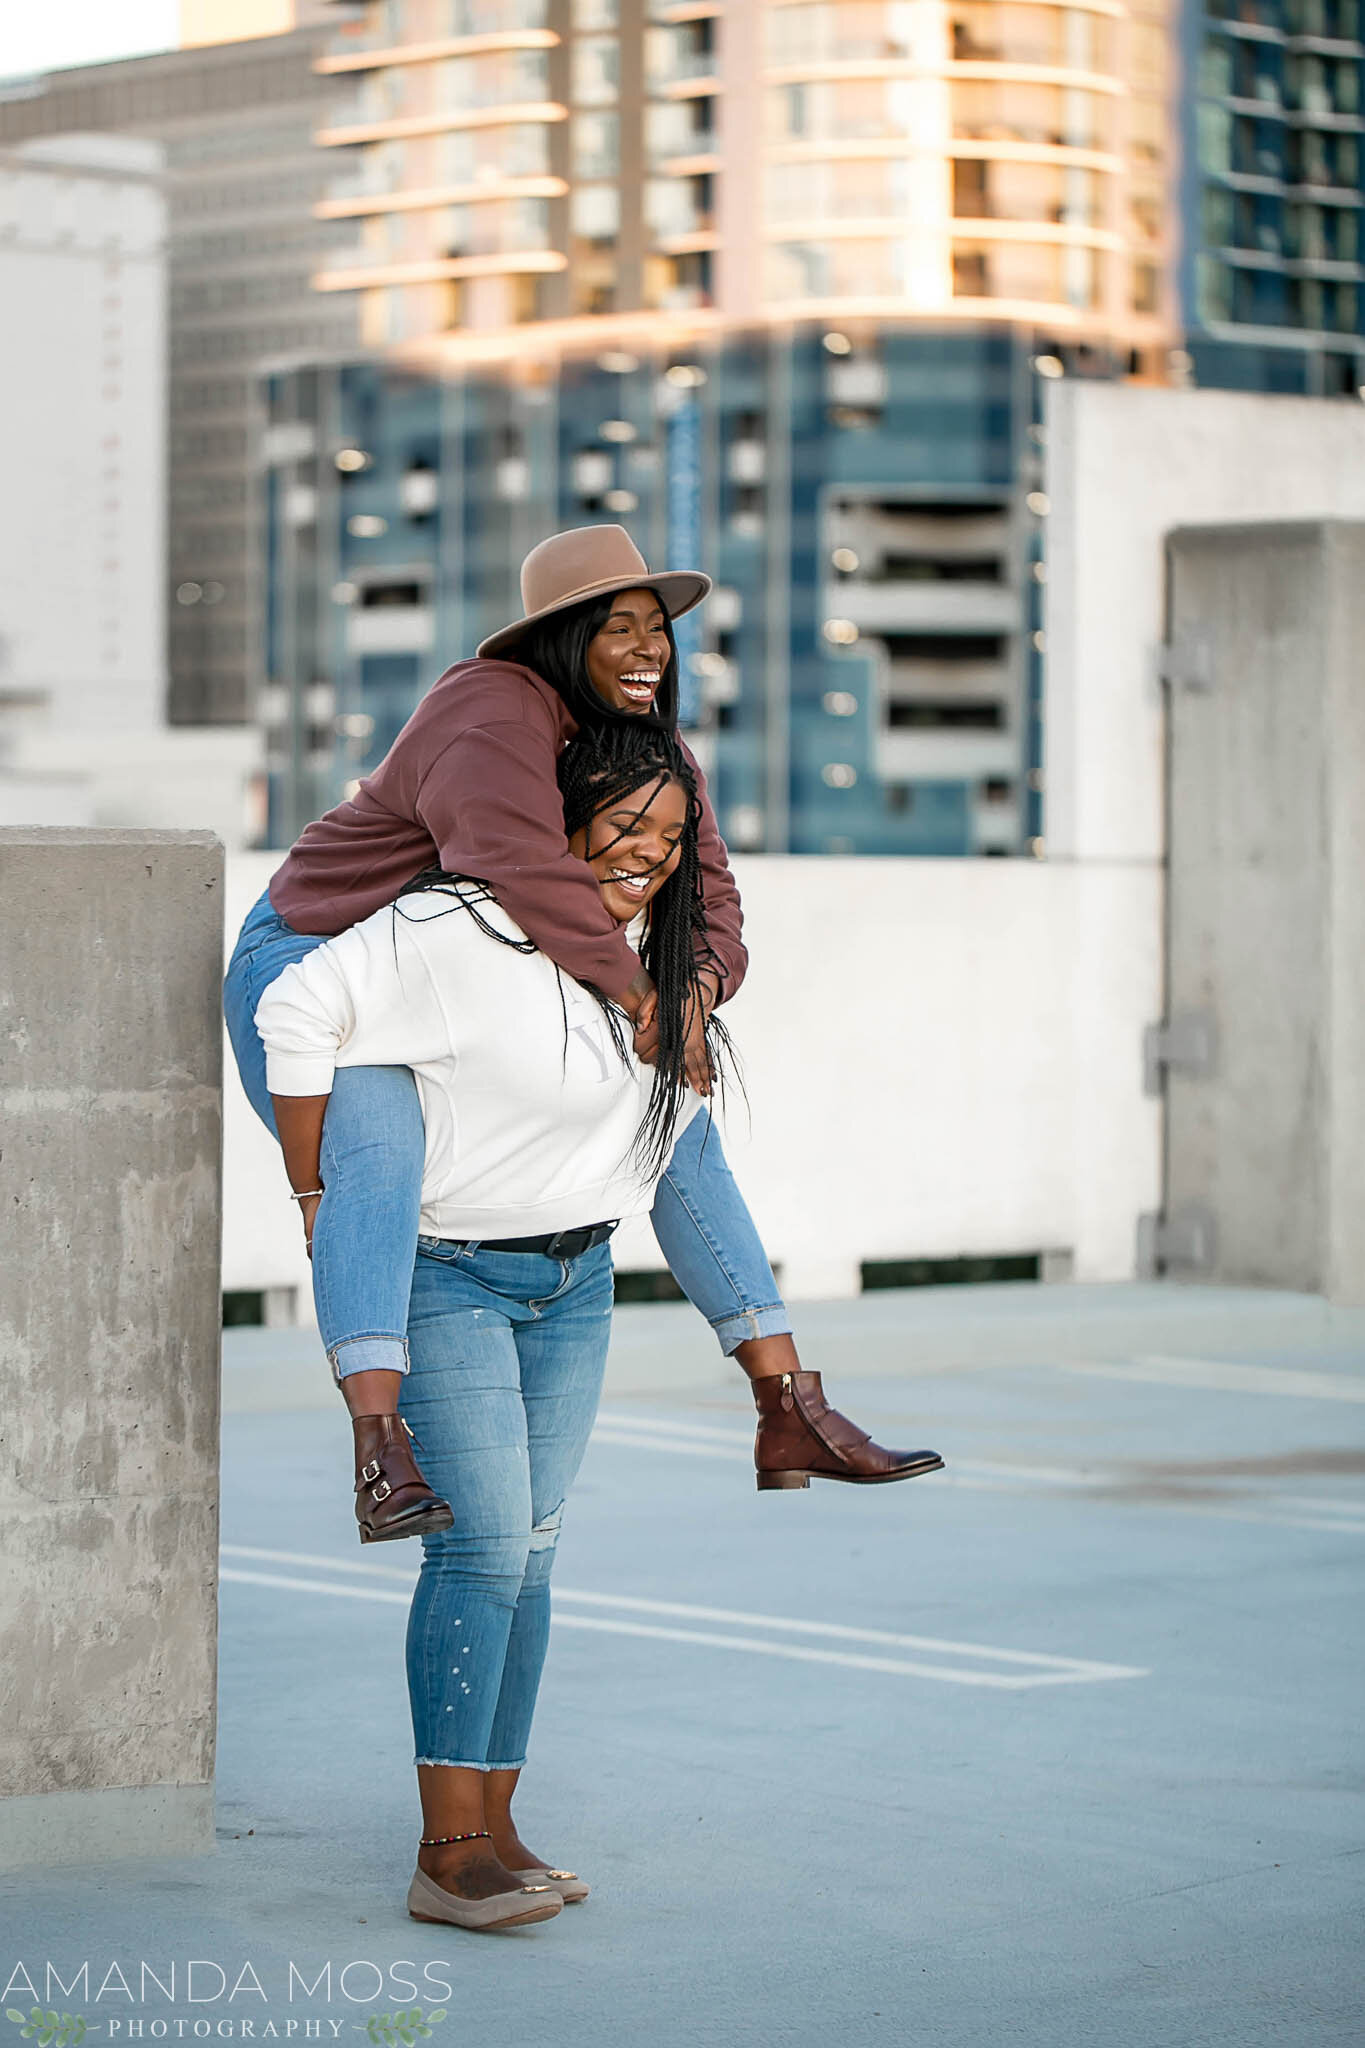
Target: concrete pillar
[(110, 1121), (1265, 1083)]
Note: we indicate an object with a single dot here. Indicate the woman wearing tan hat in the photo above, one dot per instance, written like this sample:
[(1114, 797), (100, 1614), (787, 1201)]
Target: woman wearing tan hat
[(470, 785)]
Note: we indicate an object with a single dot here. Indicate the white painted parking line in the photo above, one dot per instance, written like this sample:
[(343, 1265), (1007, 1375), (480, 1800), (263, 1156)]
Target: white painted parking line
[(321, 1563), (681, 1446), (984, 1475), (972, 1474), (976, 1475), (1028, 1669), (659, 1425), (1317, 1504), (898, 1667), (1224, 1376), (293, 1585), (1063, 1668), (1272, 1516)]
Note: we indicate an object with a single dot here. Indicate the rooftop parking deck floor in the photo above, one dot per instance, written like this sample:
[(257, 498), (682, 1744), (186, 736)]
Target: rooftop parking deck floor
[(1058, 1746)]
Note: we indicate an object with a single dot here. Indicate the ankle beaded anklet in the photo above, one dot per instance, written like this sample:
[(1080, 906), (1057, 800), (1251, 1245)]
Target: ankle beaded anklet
[(440, 1841)]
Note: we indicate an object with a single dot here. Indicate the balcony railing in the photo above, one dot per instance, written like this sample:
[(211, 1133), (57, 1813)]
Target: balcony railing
[(383, 27)]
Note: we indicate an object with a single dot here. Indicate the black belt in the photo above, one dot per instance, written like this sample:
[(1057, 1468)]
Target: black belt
[(561, 1244)]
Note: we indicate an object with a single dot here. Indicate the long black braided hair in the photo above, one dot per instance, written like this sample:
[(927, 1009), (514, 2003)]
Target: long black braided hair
[(627, 758), (557, 649), (596, 770)]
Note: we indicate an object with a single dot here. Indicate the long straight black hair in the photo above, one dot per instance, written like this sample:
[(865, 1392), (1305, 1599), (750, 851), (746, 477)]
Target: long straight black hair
[(557, 649)]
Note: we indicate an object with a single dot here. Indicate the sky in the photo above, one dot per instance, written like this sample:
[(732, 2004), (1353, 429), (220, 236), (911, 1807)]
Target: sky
[(57, 32)]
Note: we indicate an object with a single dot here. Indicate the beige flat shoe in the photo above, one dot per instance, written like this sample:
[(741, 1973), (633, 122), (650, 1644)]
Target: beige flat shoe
[(567, 1883), (427, 1901)]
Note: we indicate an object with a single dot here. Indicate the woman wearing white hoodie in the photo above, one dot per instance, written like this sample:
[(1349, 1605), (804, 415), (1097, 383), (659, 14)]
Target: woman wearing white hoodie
[(542, 1131)]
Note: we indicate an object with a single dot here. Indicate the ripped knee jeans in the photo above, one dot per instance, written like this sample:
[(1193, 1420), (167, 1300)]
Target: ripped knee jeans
[(506, 1351)]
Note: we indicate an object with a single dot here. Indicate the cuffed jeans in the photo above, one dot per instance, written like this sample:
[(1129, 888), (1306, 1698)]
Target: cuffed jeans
[(507, 1352), (373, 1148)]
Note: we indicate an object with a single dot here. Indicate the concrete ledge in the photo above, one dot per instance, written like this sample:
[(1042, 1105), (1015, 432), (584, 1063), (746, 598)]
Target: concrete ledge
[(51, 1828)]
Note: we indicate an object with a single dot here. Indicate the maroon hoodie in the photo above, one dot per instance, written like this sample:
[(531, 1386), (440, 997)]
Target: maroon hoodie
[(470, 781)]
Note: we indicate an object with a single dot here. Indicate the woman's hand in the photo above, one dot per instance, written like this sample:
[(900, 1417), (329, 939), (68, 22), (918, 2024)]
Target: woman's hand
[(641, 1004), (696, 1055), (646, 1024), (298, 1123), (696, 1058), (640, 994), (308, 1209)]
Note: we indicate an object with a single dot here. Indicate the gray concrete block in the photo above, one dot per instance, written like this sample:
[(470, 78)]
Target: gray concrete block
[(1266, 933), (110, 1140)]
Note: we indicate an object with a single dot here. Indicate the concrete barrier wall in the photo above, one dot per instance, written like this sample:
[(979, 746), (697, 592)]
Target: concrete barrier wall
[(942, 1058), (1265, 1184), (110, 1124), (1124, 465)]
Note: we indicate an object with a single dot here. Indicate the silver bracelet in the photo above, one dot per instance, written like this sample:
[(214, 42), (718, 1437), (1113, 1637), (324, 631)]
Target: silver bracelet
[(307, 1195)]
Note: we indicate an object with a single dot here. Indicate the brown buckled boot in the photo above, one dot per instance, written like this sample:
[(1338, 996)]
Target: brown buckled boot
[(800, 1438), (391, 1497)]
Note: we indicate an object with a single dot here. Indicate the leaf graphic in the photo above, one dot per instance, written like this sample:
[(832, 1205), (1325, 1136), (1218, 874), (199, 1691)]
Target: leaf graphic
[(11, 2014), (439, 2014)]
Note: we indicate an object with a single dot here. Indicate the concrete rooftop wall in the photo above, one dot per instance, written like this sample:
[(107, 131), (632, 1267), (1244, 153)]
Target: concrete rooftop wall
[(942, 1058), (110, 1122), (1124, 466)]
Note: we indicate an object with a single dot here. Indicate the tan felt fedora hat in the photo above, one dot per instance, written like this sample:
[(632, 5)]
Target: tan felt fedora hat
[(591, 561)]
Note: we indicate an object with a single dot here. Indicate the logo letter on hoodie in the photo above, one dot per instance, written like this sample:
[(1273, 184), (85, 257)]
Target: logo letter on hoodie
[(582, 1031)]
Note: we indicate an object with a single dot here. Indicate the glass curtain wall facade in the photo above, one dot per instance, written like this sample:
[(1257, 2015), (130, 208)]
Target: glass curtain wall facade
[(772, 283), (863, 678), (1273, 277)]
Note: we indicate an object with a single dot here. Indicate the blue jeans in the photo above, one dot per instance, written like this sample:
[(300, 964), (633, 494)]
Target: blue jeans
[(365, 1233), (507, 1351)]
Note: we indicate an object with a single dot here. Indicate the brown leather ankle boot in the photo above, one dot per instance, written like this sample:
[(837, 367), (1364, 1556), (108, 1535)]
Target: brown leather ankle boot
[(391, 1497), (800, 1438)]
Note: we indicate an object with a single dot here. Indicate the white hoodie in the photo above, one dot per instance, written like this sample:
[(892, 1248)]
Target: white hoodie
[(531, 1113)]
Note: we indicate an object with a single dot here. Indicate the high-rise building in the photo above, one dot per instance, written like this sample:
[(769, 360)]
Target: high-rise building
[(862, 679), (772, 283), (235, 124), (83, 738), (516, 162), (1272, 271)]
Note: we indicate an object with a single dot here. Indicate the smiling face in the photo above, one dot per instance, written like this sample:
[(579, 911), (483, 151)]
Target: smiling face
[(633, 845), (627, 656)]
